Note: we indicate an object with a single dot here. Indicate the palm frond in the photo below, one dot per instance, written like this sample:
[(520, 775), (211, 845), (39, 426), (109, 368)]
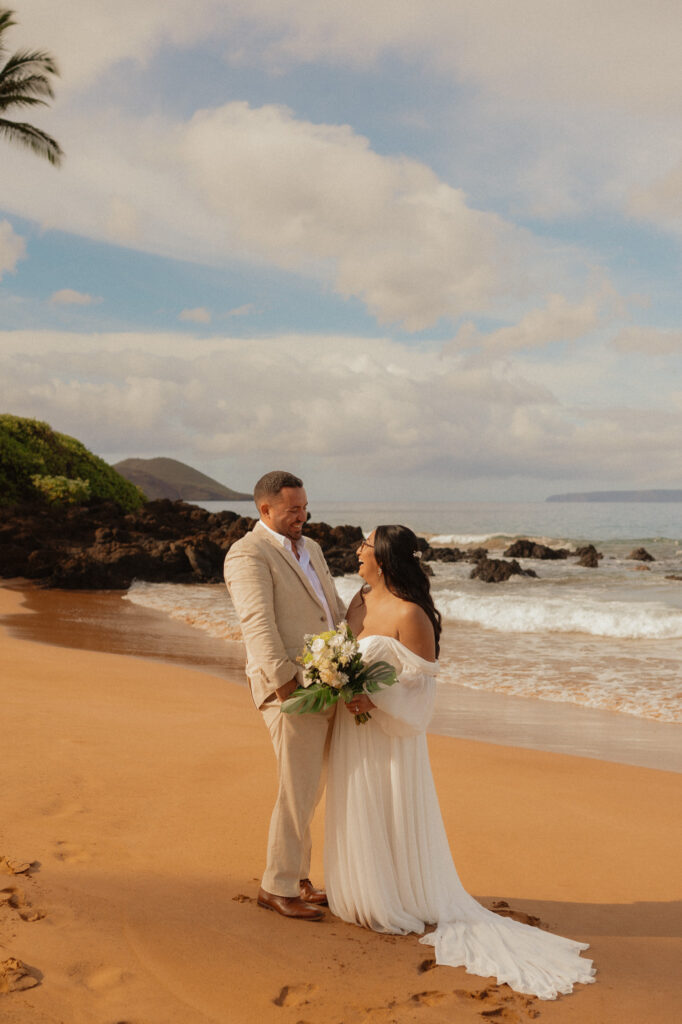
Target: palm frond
[(24, 82), (6, 20), (38, 141), (18, 88), (28, 60), (19, 100), (35, 82)]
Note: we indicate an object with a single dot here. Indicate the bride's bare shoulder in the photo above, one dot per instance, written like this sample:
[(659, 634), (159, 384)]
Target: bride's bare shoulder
[(415, 630)]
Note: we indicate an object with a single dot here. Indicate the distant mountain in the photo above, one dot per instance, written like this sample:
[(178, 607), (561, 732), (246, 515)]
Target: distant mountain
[(168, 478), (619, 496)]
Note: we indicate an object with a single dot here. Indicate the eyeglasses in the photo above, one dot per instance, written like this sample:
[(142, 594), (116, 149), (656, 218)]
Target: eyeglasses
[(365, 544)]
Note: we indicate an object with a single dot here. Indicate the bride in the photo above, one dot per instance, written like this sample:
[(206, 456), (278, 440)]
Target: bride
[(387, 861)]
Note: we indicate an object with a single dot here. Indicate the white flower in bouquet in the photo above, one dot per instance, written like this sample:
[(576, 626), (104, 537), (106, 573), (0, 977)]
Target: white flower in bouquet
[(333, 668)]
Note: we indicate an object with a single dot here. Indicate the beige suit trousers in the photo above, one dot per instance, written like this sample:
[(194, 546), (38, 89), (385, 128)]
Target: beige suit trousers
[(301, 743)]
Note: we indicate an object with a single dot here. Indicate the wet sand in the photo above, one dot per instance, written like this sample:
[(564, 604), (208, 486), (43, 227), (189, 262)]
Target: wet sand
[(105, 621)]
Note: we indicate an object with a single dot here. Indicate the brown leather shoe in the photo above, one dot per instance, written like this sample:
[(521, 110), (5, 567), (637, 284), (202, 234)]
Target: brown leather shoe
[(289, 906), (309, 894)]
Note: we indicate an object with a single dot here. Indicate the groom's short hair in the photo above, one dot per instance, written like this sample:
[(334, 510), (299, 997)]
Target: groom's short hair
[(272, 483)]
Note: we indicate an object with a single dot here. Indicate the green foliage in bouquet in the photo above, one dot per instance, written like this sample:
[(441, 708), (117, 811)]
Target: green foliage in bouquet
[(39, 464), (334, 669)]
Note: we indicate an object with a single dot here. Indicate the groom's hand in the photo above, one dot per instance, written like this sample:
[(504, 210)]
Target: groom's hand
[(287, 690)]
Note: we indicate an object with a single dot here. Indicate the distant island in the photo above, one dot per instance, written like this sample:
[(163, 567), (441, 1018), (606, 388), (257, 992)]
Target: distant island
[(619, 496), (168, 478)]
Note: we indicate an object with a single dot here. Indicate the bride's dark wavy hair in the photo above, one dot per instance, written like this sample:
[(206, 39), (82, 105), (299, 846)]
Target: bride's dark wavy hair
[(396, 551)]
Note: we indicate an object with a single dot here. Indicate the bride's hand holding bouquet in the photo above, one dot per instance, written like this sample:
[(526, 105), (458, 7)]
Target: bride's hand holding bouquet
[(333, 669)]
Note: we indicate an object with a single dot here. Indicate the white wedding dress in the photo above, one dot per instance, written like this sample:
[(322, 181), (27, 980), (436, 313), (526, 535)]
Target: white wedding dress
[(387, 860)]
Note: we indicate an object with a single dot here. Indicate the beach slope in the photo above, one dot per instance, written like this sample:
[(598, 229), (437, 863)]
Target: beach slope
[(139, 793)]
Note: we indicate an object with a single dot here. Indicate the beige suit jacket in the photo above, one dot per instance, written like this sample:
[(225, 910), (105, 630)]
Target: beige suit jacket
[(277, 606)]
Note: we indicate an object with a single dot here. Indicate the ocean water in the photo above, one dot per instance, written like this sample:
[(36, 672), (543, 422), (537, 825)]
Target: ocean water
[(607, 638)]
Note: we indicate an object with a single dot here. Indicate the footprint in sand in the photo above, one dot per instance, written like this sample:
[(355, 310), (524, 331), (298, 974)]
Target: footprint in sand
[(99, 978), (294, 995), (59, 808), (8, 866), (427, 965), (15, 976), (71, 853), (501, 1004), (393, 1011), (428, 998), (104, 978), (502, 908), (15, 898)]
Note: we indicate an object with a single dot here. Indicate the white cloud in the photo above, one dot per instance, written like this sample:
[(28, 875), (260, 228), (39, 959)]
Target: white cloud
[(351, 411), (531, 50), (312, 198), (657, 341), (660, 202), (595, 91), (88, 37), (198, 315), (558, 321), (69, 297), (244, 310), (12, 248), (565, 53), (316, 199)]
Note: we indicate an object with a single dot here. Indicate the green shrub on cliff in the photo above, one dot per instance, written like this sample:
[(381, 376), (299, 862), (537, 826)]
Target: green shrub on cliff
[(62, 490), (38, 464)]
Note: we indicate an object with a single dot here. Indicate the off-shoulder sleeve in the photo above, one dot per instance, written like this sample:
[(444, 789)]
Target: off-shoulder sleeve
[(405, 708)]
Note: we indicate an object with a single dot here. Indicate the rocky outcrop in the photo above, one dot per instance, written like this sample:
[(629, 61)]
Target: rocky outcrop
[(641, 555), (339, 544), (530, 549), (430, 554), (96, 546), (495, 570), (588, 556)]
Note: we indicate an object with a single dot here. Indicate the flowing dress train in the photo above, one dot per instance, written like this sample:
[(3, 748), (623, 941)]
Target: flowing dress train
[(387, 859)]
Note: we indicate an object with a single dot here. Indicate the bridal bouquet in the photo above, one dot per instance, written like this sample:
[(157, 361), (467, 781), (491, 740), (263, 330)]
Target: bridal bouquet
[(333, 668)]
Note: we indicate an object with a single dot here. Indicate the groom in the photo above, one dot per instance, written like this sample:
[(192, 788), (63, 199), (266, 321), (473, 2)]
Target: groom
[(282, 589)]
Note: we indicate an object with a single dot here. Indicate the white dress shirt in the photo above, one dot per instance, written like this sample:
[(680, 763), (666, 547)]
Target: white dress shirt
[(306, 565)]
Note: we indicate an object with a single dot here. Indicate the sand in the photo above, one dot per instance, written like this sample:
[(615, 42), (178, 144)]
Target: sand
[(139, 792)]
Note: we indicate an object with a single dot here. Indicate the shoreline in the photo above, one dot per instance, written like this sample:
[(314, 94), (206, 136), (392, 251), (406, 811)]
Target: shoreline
[(104, 621), (140, 792)]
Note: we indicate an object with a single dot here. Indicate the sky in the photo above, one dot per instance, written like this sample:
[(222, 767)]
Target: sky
[(415, 251)]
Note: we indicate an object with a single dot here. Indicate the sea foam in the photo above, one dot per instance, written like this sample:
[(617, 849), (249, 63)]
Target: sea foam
[(463, 539), (517, 613)]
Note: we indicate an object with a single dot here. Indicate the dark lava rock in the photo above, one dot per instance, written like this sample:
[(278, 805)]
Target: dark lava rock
[(430, 554), (588, 556), (641, 555), (97, 547), (495, 570), (529, 549), (339, 543)]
